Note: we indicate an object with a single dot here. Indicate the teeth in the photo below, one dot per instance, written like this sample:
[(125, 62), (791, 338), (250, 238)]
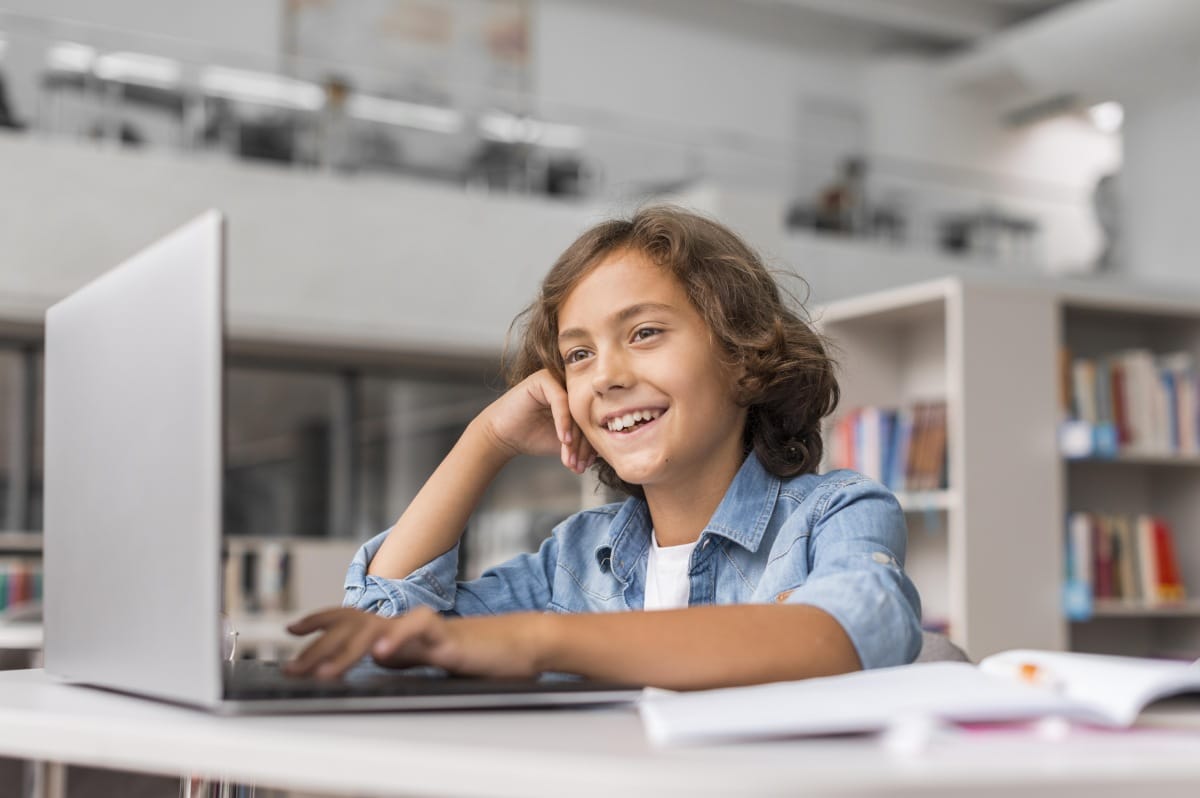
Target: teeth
[(629, 419)]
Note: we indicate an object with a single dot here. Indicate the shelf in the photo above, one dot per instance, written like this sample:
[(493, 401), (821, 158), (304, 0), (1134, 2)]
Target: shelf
[(20, 636), (1135, 459), (265, 628), (926, 501), (1122, 608), (21, 542)]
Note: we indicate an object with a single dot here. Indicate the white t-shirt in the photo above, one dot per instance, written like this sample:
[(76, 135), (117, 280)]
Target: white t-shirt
[(667, 585)]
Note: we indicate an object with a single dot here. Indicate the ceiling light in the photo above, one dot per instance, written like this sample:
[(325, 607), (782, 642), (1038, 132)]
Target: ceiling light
[(499, 126), (70, 57), (263, 88), (138, 68), (402, 114), (1107, 117)]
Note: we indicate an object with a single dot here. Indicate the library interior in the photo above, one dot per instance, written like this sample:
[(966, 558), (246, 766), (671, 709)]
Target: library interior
[(977, 205)]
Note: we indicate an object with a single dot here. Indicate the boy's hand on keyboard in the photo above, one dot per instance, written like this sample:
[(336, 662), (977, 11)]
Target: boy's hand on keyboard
[(500, 645)]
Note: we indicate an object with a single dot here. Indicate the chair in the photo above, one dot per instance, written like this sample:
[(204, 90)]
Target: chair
[(938, 648)]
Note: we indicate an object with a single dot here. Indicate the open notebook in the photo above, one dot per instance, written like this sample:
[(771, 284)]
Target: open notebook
[(1010, 686)]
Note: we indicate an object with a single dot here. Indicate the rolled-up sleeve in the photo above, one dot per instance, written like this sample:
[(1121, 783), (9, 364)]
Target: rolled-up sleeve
[(431, 585), (521, 583), (856, 572)]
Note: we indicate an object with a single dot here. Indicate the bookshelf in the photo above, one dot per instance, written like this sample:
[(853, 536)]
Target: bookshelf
[(984, 552), (1140, 477), (20, 597), (269, 581), (987, 553)]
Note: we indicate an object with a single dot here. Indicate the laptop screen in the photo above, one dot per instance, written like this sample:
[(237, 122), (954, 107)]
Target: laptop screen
[(133, 454)]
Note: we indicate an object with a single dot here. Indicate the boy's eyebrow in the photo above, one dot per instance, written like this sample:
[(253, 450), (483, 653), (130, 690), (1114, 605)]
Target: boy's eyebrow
[(618, 317)]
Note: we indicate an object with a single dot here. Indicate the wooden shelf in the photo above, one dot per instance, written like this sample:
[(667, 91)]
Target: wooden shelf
[(1124, 608), (927, 501), (21, 542), (1136, 459), (20, 636)]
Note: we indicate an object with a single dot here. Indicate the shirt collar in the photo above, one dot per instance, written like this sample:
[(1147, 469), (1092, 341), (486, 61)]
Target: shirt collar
[(741, 517)]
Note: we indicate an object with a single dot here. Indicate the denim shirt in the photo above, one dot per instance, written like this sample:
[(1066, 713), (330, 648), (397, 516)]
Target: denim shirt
[(835, 541)]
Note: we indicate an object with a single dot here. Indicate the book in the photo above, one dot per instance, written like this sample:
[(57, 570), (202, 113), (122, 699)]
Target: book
[(1135, 401), (1013, 686), (1169, 586), (1120, 557), (903, 448)]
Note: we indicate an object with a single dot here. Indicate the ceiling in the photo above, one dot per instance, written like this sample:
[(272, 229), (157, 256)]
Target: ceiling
[(945, 23), (850, 28)]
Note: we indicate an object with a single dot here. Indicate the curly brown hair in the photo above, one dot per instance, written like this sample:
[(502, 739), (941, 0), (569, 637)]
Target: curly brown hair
[(787, 378)]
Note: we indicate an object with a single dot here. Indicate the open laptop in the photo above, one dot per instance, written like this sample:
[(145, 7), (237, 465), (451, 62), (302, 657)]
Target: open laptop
[(134, 459)]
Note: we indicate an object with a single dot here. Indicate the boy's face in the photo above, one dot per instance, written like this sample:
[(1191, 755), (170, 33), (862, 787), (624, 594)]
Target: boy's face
[(644, 380)]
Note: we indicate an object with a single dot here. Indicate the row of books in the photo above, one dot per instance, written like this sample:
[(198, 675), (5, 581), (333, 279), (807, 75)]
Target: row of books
[(1130, 401), (20, 581), (1113, 556), (903, 448)]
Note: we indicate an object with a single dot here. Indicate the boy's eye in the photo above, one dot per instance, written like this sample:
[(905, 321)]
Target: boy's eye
[(645, 332), (574, 356)]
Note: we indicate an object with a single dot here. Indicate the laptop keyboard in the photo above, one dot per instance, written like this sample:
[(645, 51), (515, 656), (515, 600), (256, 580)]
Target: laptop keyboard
[(252, 680)]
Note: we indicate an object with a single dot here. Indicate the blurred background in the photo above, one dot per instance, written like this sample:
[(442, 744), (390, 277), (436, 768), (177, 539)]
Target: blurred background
[(399, 174)]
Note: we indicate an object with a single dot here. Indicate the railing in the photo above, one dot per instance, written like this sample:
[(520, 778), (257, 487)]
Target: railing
[(116, 88)]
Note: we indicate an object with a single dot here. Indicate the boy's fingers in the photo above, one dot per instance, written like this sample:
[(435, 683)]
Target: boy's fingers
[(354, 649), (560, 411), (318, 620), (583, 455), (412, 632), (323, 648)]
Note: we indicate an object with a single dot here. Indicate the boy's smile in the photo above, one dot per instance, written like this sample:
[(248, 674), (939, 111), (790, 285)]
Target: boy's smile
[(645, 381)]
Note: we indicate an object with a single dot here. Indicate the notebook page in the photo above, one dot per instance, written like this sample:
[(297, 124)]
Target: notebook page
[(1118, 687), (863, 701)]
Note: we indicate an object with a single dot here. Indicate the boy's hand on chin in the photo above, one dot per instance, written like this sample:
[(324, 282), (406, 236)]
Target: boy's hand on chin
[(533, 417), (501, 645)]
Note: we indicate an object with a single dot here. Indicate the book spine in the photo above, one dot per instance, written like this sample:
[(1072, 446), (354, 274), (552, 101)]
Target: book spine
[(900, 460), (1147, 558), (1170, 585), (1120, 403), (1083, 375), (1127, 561), (1103, 563)]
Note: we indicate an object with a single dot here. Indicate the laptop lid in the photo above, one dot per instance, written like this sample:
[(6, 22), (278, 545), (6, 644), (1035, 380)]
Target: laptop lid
[(133, 438)]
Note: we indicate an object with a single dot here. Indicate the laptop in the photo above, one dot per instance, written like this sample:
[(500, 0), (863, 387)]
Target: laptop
[(134, 459)]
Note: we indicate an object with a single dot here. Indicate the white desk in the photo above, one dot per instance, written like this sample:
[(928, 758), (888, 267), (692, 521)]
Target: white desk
[(599, 752)]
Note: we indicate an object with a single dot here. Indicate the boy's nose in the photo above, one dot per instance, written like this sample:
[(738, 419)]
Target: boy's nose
[(612, 372)]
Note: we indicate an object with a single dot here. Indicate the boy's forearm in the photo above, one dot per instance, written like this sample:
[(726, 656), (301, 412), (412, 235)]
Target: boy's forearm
[(434, 521), (699, 647)]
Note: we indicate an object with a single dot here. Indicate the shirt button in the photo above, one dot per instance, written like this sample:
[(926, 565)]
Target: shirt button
[(782, 597), (881, 558), (704, 545)]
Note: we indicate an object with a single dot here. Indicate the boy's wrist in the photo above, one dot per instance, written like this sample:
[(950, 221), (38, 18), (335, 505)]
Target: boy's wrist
[(545, 641), (484, 442)]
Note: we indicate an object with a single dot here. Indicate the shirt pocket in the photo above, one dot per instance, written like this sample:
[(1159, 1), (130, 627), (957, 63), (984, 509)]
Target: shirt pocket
[(786, 570), (585, 592)]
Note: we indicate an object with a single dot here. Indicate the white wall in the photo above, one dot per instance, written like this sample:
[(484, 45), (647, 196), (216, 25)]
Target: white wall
[(1160, 187), (252, 26), (650, 78), (928, 134), (380, 262)]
